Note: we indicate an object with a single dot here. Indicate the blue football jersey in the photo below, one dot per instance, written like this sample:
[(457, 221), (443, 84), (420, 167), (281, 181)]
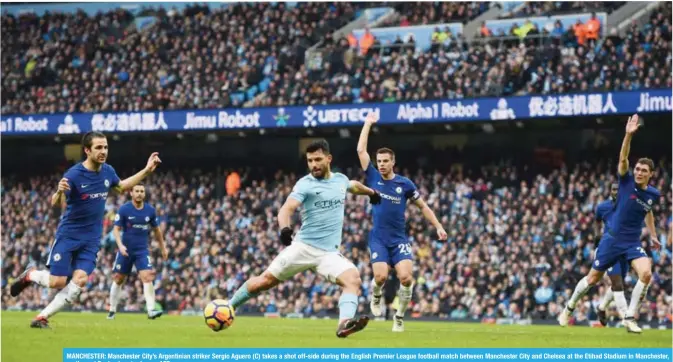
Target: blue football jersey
[(137, 224), (83, 217), (389, 222), (604, 212), (633, 203)]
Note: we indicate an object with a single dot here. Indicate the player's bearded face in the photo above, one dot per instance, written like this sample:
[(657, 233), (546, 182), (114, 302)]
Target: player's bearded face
[(642, 174), (138, 194), (318, 163), (98, 151)]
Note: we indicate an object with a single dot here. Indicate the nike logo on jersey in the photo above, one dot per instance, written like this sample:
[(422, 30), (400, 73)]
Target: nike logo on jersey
[(85, 186), (131, 217), (318, 193), (380, 183)]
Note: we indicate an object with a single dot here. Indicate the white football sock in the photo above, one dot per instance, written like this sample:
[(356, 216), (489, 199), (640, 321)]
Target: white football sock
[(376, 289), (639, 293), (607, 298), (67, 295), (148, 290), (115, 296), (620, 300), (404, 294), (40, 277), (580, 290)]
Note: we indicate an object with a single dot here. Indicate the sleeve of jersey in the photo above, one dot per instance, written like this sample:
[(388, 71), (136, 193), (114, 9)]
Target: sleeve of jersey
[(299, 191), (599, 213), (346, 181), (71, 182), (372, 174), (412, 192), (120, 218), (626, 179), (153, 219)]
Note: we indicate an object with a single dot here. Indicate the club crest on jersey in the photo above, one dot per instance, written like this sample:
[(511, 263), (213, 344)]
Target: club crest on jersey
[(107, 183), (649, 202), (117, 217), (398, 190), (147, 218), (57, 257)]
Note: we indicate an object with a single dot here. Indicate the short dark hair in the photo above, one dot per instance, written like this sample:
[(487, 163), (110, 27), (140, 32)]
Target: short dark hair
[(87, 139), (648, 162), (386, 150), (317, 146), (138, 184)]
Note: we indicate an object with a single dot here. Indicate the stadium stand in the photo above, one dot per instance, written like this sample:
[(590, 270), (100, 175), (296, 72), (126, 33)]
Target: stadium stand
[(70, 63), (544, 8)]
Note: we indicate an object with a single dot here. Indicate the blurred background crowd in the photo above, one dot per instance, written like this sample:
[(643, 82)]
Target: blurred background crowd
[(255, 55)]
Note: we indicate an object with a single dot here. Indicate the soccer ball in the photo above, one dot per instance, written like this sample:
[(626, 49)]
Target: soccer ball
[(219, 315)]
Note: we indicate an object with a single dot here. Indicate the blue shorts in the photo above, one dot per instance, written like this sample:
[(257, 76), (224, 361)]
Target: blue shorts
[(141, 259), (620, 268), (67, 255), (390, 253), (612, 251)]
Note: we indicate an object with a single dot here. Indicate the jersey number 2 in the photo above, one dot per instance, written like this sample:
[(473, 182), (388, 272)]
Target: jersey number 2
[(405, 249)]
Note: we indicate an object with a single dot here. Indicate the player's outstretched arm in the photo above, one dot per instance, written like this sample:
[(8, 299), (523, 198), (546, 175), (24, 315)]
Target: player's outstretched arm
[(652, 230), (127, 184), (116, 231), (284, 217), (357, 188), (162, 244), (363, 155), (430, 216), (631, 128)]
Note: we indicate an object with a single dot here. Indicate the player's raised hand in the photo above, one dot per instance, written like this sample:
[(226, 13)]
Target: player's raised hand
[(632, 124), (372, 118), (153, 162), (63, 185), (656, 245), (164, 253), (442, 235)]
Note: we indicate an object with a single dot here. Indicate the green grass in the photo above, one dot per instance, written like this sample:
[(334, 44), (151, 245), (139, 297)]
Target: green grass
[(21, 343)]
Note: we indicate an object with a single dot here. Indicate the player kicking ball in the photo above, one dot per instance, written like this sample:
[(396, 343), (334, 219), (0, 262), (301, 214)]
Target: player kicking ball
[(82, 191), (322, 194), (388, 241), (621, 244), (137, 220)]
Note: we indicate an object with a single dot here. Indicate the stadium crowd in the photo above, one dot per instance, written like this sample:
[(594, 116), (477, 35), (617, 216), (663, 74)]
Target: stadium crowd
[(255, 55), (519, 240)]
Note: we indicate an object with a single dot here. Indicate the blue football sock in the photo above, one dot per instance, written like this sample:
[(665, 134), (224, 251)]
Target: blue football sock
[(241, 296), (348, 305)]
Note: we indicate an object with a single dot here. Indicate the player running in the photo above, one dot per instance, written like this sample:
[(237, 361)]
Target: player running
[(322, 194), (617, 272), (388, 241), (137, 220), (83, 191), (621, 243)]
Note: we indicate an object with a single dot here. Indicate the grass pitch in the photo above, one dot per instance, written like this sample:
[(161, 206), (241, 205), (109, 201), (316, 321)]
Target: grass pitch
[(21, 343)]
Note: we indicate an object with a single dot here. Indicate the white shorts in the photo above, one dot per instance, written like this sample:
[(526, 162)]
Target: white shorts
[(299, 257)]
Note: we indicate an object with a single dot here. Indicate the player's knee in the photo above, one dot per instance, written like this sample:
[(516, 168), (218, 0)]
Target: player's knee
[(594, 278), (380, 278), (148, 276), (406, 279), (119, 278), (645, 276), (79, 278), (57, 282), (352, 281), (617, 285)]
